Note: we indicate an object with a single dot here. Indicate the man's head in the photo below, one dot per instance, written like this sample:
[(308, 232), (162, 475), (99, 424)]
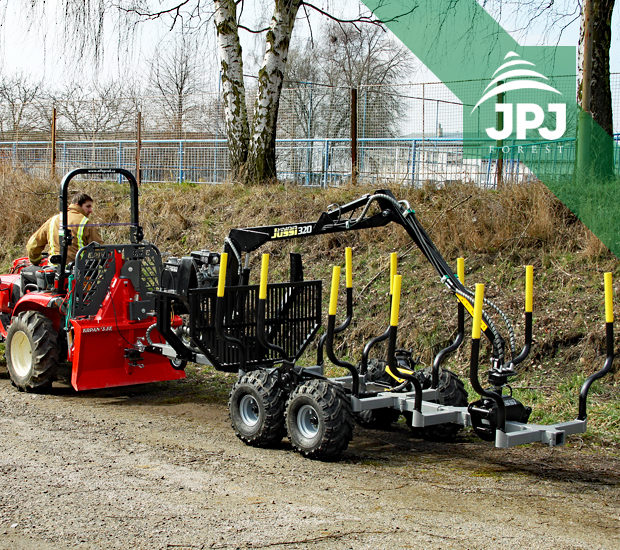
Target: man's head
[(84, 201)]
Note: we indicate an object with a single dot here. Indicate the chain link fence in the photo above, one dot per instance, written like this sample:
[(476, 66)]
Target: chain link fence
[(406, 134)]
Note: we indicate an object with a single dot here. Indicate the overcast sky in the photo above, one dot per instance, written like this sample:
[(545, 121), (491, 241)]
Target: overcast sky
[(37, 48)]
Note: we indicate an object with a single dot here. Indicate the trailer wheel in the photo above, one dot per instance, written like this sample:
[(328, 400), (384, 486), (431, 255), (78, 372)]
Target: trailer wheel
[(256, 408), (32, 351), (451, 392), (319, 420)]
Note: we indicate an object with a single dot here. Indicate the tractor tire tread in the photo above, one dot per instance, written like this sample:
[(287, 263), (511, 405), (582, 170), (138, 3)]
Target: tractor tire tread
[(45, 351)]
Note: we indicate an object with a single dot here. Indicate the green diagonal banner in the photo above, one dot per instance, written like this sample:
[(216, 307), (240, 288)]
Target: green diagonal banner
[(519, 103)]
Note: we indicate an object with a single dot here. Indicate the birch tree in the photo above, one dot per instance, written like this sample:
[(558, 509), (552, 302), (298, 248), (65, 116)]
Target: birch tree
[(233, 88)]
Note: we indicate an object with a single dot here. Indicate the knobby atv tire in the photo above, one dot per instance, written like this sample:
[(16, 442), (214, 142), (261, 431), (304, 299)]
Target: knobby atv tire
[(451, 392), (256, 408), (319, 420), (32, 354)]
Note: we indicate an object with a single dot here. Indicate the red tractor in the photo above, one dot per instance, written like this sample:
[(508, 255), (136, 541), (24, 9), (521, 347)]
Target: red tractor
[(90, 317)]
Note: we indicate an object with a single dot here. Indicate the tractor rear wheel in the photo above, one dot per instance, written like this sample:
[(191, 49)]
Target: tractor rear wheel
[(319, 420), (256, 408), (32, 351), (451, 392)]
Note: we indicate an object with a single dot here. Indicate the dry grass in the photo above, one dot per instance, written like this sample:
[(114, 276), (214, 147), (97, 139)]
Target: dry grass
[(461, 219)]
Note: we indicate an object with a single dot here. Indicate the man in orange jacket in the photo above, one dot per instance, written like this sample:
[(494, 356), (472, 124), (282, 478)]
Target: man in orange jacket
[(77, 220)]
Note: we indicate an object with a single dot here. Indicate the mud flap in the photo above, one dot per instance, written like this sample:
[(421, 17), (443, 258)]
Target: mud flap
[(100, 357)]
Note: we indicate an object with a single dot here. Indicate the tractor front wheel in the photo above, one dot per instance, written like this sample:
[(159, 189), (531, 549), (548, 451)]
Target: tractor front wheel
[(256, 408), (319, 420), (32, 351)]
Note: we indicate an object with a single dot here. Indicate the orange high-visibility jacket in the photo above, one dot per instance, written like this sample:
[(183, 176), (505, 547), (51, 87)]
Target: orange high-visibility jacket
[(47, 234)]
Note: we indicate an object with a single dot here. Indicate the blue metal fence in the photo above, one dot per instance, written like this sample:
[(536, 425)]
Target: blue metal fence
[(312, 162)]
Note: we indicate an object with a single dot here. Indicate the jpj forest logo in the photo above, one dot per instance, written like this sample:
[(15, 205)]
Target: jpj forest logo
[(523, 116), (523, 109)]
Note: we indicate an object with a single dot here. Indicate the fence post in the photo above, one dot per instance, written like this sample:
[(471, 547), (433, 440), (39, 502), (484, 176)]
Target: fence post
[(486, 185), (423, 124), (138, 147), (119, 160), (310, 143), (53, 140), (413, 142), (325, 162), (180, 161), (354, 136)]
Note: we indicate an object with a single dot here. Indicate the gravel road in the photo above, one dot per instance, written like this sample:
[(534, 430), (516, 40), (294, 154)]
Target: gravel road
[(149, 467)]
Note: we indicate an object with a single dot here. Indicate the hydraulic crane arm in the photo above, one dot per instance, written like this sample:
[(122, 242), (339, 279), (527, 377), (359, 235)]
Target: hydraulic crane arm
[(356, 215)]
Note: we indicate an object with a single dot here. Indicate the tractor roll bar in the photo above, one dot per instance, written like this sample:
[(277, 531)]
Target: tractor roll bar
[(65, 237)]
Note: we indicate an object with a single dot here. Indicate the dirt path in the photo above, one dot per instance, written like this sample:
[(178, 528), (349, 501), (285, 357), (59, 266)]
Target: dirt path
[(149, 468)]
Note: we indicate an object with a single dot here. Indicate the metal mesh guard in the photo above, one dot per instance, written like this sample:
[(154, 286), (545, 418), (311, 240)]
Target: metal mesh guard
[(95, 266), (292, 318)]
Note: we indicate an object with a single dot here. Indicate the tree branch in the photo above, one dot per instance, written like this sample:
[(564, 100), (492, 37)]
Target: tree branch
[(176, 10), (254, 31), (360, 19)]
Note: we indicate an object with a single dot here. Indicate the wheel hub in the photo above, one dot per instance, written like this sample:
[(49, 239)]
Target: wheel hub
[(308, 421), (248, 410), (21, 353)]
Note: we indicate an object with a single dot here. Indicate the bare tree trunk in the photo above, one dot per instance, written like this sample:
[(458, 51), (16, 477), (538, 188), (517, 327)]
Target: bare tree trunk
[(594, 89), (235, 111), (262, 154)]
